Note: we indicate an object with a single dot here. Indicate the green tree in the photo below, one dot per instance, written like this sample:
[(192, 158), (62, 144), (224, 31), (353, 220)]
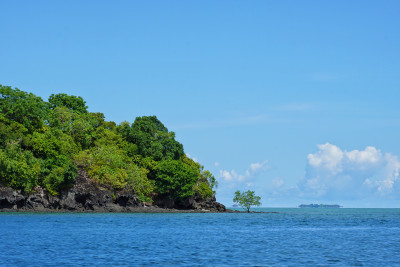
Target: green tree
[(206, 182), (175, 179), (153, 139), (51, 144), (11, 132), (18, 168), (74, 103), (83, 129), (110, 167), (246, 199), (59, 173), (24, 108), (61, 118), (105, 164)]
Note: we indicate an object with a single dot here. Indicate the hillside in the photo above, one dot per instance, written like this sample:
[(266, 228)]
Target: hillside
[(47, 147)]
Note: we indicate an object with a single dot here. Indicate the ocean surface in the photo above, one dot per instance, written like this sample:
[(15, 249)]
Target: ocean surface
[(290, 237)]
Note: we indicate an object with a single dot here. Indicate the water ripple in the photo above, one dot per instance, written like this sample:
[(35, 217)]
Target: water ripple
[(290, 238)]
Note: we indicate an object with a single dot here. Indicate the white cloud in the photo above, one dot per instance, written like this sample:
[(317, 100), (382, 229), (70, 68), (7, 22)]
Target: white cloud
[(328, 157), (253, 169), (336, 173), (364, 159), (392, 167), (225, 175), (232, 175), (216, 164)]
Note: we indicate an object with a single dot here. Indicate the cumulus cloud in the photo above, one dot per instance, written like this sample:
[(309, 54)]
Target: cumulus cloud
[(253, 169), (333, 172), (329, 157)]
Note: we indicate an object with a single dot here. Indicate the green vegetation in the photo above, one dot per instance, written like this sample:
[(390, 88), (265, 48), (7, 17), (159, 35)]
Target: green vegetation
[(44, 144), (246, 199)]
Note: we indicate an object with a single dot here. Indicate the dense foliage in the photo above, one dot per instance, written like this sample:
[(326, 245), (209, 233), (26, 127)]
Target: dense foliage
[(44, 144), (246, 199)]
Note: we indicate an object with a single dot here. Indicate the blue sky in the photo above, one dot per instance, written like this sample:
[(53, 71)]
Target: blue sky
[(297, 100)]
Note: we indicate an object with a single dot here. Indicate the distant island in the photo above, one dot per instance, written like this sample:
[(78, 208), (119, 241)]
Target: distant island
[(319, 206)]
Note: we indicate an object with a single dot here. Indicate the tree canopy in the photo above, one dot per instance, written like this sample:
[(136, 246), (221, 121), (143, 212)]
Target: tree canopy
[(73, 103), (22, 107), (45, 143), (153, 139), (246, 199)]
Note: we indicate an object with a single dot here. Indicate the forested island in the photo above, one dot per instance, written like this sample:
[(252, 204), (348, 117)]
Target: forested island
[(319, 206), (55, 155)]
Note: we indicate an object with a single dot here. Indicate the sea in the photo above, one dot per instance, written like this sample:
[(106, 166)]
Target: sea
[(278, 237)]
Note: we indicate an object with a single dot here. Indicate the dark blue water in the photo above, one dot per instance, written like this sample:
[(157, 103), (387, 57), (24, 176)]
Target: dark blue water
[(292, 237)]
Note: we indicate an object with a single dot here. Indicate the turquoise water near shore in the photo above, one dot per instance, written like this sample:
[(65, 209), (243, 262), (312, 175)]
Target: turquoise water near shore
[(291, 237)]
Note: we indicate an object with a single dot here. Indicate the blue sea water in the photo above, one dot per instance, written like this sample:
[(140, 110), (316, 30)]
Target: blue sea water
[(290, 237)]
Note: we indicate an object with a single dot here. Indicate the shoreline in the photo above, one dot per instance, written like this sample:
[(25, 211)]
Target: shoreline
[(128, 210)]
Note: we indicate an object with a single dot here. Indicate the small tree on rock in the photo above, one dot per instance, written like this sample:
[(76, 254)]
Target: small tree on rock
[(246, 199)]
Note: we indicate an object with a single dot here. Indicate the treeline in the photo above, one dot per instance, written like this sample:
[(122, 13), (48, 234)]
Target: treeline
[(43, 144)]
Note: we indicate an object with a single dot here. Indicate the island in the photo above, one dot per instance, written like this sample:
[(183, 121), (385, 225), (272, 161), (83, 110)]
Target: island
[(319, 206), (55, 155)]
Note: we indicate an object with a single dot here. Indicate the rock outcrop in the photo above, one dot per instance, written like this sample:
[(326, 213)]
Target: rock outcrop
[(86, 196), (195, 202)]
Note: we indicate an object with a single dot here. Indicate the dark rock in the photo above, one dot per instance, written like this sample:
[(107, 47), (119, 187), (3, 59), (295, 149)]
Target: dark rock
[(86, 196), (11, 199), (209, 204), (195, 202), (126, 198), (164, 201), (187, 203)]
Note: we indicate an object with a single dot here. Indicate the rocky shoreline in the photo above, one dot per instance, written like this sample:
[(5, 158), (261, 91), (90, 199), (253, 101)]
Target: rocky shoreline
[(87, 196), (150, 209)]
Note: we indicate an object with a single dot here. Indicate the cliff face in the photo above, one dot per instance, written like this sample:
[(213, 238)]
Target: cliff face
[(86, 196)]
